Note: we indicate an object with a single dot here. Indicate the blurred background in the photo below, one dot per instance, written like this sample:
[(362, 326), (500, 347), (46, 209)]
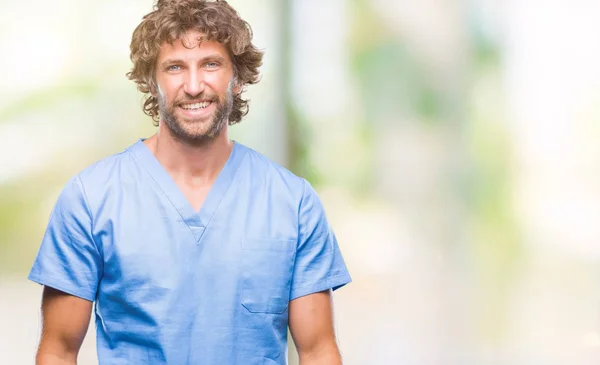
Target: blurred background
[(455, 145)]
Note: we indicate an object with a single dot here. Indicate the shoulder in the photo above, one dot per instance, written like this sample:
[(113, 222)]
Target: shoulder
[(101, 172), (260, 170), (286, 184), (76, 192), (96, 179)]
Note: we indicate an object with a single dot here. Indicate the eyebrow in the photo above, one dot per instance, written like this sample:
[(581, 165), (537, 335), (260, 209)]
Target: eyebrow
[(214, 57)]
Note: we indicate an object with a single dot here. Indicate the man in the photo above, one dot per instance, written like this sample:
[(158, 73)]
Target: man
[(195, 249)]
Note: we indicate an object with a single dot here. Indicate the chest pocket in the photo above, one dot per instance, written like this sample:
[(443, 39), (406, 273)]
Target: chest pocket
[(267, 267)]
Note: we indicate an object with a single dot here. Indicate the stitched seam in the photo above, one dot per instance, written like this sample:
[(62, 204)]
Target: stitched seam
[(325, 280), (89, 211)]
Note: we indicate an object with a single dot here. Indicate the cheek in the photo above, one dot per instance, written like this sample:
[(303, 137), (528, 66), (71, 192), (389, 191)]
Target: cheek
[(218, 82), (170, 96), (167, 87)]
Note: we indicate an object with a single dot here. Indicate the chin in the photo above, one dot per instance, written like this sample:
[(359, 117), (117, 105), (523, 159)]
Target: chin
[(203, 135)]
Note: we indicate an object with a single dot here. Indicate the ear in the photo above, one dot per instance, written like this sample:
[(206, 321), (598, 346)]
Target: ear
[(237, 89), (152, 88)]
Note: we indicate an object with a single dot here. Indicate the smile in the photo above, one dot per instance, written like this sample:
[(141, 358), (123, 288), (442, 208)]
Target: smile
[(196, 106)]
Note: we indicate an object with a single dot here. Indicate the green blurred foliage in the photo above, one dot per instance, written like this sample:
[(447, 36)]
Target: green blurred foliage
[(392, 80), (496, 251)]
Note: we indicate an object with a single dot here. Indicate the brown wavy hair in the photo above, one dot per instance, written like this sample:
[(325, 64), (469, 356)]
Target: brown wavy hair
[(217, 21)]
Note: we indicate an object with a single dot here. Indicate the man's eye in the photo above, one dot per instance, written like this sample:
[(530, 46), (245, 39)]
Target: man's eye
[(212, 64), (173, 68)]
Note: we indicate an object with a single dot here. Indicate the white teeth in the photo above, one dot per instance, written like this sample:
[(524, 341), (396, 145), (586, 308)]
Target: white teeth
[(202, 105)]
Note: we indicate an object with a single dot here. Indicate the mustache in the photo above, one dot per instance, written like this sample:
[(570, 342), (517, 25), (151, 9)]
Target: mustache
[(198, 98)]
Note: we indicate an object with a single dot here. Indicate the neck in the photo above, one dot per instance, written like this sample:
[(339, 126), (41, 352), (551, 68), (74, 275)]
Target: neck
[(198, 163)]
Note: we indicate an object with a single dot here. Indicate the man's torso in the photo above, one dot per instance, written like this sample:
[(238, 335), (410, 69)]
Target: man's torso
[(186, 287)]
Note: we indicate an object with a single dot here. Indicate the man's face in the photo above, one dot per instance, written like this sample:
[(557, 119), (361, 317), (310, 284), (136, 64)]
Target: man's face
[(195, 88)]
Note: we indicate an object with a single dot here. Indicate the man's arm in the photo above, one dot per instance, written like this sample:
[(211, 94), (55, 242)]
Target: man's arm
[(65, 320), (311, 326)]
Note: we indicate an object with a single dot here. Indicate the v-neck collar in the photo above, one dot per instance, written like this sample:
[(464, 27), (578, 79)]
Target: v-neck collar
[(196, 221)]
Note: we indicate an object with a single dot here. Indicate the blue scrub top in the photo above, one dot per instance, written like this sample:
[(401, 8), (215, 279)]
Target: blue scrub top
[(176, 286)]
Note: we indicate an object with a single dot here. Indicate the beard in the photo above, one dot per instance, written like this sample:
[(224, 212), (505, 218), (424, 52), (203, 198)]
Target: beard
[(197, 131)]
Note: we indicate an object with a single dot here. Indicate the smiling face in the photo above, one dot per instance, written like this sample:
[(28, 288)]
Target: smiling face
[(195, 87)]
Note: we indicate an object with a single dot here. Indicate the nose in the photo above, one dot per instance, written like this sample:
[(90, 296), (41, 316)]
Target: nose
[(194, 83)]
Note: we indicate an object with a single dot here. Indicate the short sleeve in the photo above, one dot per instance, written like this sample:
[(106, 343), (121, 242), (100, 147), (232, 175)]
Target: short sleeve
[(68, 259), (319, 264)]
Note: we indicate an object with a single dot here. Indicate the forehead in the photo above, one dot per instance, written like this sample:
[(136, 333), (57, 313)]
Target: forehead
[(190, 47)]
